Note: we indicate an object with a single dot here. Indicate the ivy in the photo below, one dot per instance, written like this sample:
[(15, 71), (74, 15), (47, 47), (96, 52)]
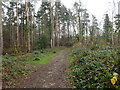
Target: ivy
[(94, 68)]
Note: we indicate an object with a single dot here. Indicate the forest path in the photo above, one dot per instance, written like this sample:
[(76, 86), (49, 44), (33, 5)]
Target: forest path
[(51, 75)]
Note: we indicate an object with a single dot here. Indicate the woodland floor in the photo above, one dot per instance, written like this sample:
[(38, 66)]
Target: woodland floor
[(51, 75)]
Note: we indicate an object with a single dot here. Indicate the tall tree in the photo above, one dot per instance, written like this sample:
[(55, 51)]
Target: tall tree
[(28, 47), (52, 24), (17, 26), (117, 22), (93, 29), (1, 35), (107, 28), (85, 22), (57, 23), (64, 13)]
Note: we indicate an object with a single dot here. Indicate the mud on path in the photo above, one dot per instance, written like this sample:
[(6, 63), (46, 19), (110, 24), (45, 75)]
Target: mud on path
[(51, 75)]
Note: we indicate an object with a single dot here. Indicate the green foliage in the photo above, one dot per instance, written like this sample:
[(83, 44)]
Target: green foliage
[(117, 21), (36, 59), (54, 51), (36, 52), (108, 28), (93, 68), (69, 44), (10, 83), (27, 28), (43, 58), (14, 69), (43, 42)]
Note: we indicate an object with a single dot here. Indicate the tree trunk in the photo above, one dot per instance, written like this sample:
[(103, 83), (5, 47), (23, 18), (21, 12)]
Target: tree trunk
[(27, 27), (1, 35), (31, 30), (52, 24), (1, 43), (68, 30), (74, 31), (17, 27), (57, 24)]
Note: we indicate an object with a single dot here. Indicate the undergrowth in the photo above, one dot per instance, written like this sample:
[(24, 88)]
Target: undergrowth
[(16, 67), (93, 67)]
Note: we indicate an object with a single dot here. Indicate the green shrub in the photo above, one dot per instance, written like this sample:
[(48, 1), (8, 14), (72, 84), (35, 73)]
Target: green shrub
[(36, 59), (93, 68), (36, 52), (54, 51)]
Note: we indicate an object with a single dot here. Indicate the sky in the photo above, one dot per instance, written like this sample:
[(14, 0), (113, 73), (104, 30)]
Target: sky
[(95, 7)]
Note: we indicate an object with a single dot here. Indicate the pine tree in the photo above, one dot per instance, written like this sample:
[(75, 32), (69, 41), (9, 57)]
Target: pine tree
[(107, 28)]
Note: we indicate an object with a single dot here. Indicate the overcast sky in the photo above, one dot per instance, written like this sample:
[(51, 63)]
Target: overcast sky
[(95, 7)]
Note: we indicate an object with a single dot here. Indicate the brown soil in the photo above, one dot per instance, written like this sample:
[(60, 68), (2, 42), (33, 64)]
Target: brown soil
[(51, 75)]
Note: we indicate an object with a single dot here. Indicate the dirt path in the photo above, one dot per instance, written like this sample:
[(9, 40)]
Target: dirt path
[(51, 75)]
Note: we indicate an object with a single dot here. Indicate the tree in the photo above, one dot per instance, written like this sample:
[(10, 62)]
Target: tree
[(52, 24), (1, 35), (73, 22), (81, 20), (45, 22), (57, 26), (85, 22), (93, 29), (11, 25), (63, 20), (107, 29), (17, 26), (28, 47), (117, 23)]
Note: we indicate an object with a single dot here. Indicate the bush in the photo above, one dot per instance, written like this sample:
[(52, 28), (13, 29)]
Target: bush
[(43, 42), (69, 44), (36, 52), (36, 59), (93, 68), (54, 51)]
